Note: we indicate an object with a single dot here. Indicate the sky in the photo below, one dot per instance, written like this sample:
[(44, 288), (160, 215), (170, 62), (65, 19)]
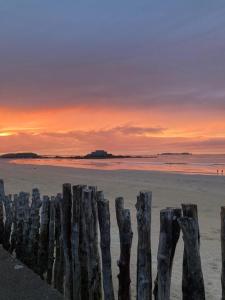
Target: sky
[(131, 77)]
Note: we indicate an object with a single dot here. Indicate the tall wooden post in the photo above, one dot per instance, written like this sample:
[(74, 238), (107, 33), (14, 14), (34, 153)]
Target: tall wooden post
[(169, 235), (2, 196), (59, 254), (65, 208), (189, 227), (51, 241), (44, 237), (75, 240), (15, 223), (126, 236), (190, 211), (34, 230), (222, 214), (144, 258), (8, 221), (104, 225)]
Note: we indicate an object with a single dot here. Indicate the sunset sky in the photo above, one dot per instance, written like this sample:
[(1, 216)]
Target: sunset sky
[(131, 77)]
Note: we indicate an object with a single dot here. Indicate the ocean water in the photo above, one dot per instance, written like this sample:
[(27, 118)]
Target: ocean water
[(189, 164)]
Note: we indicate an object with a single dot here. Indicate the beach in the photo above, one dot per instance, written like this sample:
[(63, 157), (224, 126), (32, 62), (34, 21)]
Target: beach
[(169, 189)]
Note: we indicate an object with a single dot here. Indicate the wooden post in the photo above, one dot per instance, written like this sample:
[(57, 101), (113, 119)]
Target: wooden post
[(190, 211), (222, 214), (104, 225), (84, 250), (126, 236), (75, 240), (8, 221), (190, 229), (51, 241), (15, 223), (22, 226), (65, 208), (169, 236), (34, 230), (59, 255), (96, 283), (144, 257), (2, 196), (44, 237)]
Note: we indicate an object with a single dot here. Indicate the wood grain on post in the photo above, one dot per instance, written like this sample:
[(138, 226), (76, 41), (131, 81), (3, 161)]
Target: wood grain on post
[(8, 221), (190, 230), (59, 254), (34, 229), (65, 207), (104, 225), (126, 236), (144, 258), (2, 195), (190, 211), (75, 240), (169, 236), (51, 241), (44, 236), (222, 214)]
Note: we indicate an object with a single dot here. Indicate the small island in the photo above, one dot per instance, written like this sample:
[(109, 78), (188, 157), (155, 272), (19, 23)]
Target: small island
[(23, 155)]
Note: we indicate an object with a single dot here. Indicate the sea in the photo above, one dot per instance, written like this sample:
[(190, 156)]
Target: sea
[(189, 164)]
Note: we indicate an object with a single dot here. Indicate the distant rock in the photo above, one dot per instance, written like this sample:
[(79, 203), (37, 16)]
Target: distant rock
[(20, 155)]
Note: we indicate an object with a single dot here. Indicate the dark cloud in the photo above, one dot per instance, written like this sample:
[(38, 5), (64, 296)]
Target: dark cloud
[(137, 53)]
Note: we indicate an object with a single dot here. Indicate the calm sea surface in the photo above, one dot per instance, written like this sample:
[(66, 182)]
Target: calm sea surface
[(199, 164)]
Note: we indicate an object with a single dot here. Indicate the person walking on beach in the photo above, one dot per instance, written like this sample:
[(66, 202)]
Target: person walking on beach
[(222, 172)]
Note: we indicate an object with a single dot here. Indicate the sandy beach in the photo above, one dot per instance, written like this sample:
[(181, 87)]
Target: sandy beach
[(208, 192)]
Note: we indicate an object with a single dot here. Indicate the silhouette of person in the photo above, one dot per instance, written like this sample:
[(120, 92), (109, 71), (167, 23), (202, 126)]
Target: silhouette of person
[(217, 172), (222, 172)]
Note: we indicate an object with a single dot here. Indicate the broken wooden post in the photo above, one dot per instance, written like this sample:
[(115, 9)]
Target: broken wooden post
[(8, 221), (75, 240), (51, 241), (104, 225), (126, 236), (190, 211), (34, 230), (222, 214), (2, 195), (144, 257), (190, 230), (44, 236), (59, 255), (169, 236), (65, 207)]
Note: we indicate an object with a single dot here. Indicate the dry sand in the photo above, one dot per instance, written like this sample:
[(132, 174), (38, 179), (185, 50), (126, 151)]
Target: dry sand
[(168, 190)]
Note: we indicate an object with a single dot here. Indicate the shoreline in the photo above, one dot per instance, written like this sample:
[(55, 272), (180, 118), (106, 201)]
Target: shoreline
[(15, 162)]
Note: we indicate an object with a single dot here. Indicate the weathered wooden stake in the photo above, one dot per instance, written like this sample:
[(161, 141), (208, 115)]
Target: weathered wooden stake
[(51, 241), (75, 240), (34, 230), (15, 223), (59, 255), (8, 221), (144, 258), (190, 229), (104, 225), (126, 236), (169, 236), (222, 214), (65, 208), (44, 236), (2, 196), (190, 211)]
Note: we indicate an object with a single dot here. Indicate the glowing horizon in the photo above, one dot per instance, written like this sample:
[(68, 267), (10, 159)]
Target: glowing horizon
[(132, 78)]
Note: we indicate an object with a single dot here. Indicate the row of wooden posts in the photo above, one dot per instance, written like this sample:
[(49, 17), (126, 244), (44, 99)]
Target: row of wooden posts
[(61, 244)]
